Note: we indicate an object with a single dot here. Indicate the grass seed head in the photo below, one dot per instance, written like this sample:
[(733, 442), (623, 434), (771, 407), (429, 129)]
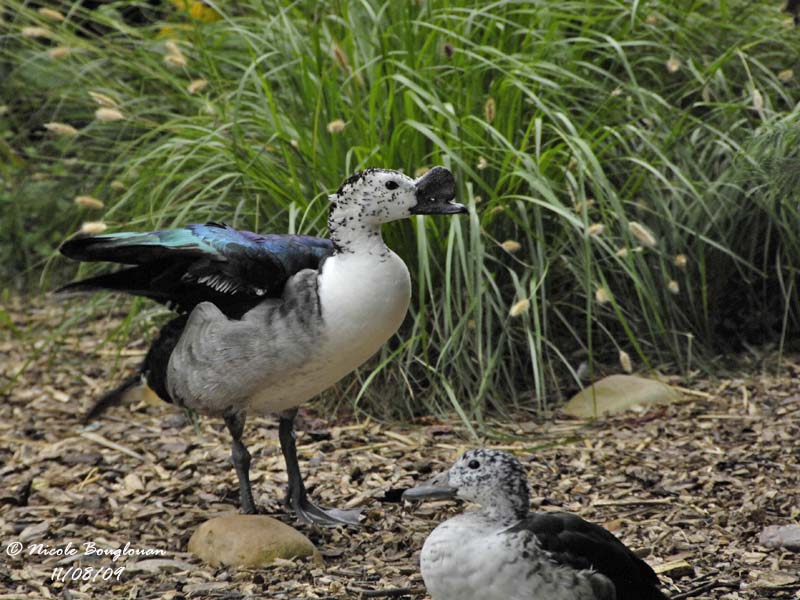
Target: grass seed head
[(336, 126), (93, 227), (519, 307), (196, 85), (482, 164), (174, 57), (117, 185), (680, 261), (786, 75), (36, 32), (108, 115), (175, 60), (89, 202), (602, 296), (51, 13), (673, 287), (673, 64), (511, 246), (625, 361), (758, 100), (489, 110), (341, 58), (595, 229), (641, 233), (61, 129), (59, 52), (103, 100)]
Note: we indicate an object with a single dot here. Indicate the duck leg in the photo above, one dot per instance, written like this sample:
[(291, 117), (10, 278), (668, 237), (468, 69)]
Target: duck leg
[(241, 461), (296, 495)]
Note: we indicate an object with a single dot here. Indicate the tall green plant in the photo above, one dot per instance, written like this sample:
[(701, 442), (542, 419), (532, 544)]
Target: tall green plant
[(615, 157)]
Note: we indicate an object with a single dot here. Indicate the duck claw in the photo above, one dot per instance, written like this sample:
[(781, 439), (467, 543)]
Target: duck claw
[(309, 512)]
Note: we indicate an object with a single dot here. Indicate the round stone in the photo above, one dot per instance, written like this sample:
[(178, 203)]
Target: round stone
[(248, 541)]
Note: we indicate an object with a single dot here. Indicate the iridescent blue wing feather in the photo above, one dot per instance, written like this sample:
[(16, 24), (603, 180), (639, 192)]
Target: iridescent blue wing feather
[(213, 262)]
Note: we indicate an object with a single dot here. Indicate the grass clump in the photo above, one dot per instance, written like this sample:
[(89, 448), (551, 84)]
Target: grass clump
[(629, 167)]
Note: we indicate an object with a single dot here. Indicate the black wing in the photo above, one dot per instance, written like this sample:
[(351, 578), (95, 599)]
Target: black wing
[(183, 267), (582, 545)]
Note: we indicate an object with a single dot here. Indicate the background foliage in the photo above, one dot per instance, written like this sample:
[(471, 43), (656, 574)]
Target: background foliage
[(631, 167)]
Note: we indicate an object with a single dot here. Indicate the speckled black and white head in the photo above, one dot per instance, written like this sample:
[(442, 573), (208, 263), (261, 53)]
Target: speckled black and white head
[(380, 195), (372, 197), (494, 479)]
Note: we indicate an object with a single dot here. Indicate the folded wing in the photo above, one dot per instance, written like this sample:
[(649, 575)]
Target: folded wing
[(213, 262), (570, 540)]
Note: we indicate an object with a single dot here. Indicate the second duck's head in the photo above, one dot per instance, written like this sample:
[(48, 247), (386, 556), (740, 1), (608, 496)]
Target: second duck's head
[(494, 479), (377, 196)]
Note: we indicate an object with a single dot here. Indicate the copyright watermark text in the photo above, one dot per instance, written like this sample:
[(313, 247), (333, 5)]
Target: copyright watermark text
[(87, 550)]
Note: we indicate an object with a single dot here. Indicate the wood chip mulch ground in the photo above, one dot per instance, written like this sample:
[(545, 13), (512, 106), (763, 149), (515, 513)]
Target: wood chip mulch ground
[(690, 486)]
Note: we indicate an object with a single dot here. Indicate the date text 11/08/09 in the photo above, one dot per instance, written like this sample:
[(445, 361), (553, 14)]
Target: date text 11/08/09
[(86, 574)]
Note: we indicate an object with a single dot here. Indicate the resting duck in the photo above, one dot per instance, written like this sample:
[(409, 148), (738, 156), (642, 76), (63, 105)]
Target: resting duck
[(503, 552), (266, 322)]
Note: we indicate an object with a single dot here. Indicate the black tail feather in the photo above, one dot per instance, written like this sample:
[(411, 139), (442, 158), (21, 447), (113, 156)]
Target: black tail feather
[(133, 280), (111, 398), (153, 369), (86, 247), (156, 281)]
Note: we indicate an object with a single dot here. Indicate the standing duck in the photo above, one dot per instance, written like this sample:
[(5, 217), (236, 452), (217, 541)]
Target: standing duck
[(267, 322), (503, 552)]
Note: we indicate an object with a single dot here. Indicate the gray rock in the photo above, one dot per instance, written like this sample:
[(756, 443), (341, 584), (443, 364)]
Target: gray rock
[(618, 393), (781, 536), (248, 541)]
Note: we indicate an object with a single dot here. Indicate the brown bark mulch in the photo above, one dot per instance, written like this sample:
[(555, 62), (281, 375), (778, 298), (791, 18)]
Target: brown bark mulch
[(689, 486)]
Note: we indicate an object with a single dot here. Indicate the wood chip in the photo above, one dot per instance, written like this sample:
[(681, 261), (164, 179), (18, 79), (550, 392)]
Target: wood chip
[(675, 569), (690, 486), (112, 445)]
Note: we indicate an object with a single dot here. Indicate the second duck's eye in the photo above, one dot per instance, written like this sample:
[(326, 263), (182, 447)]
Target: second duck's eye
[(474, 464), (392, 185)]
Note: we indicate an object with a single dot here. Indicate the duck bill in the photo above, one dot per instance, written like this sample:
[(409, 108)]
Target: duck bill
[(435, 192), (438, 488)]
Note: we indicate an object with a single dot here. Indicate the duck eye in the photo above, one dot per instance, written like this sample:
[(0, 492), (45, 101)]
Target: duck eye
[(392, 185), (474, 464)]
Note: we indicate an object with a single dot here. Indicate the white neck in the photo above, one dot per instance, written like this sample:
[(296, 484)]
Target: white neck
[(350, 234)]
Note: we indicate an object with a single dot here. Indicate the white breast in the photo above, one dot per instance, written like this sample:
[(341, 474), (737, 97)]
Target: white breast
[(364, 299), (470, 558)]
